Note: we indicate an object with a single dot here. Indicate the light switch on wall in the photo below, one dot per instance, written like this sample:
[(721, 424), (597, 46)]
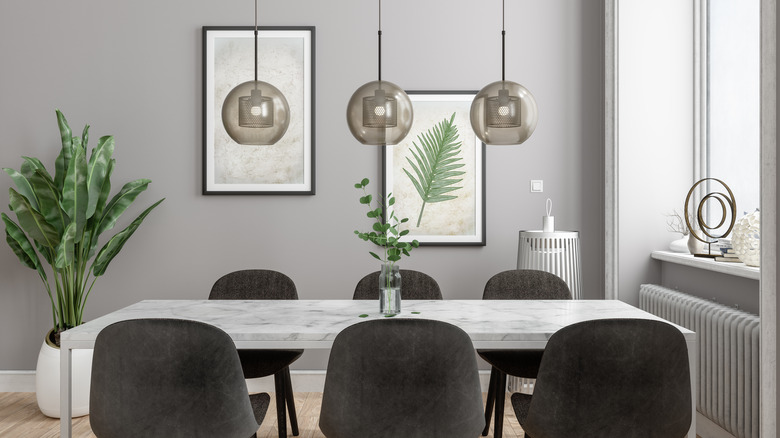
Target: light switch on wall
[(537, 186)]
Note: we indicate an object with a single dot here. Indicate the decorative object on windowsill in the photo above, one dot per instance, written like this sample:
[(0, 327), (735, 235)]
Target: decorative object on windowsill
[(557, 252), (65, 216), (676, 224), (255, 112), (701, 226), (379, 112), (503, 112), (746, 238), (386, 233), (727, 253)]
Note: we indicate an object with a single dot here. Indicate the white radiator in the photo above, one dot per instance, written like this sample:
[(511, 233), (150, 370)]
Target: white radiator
[(728, 362)]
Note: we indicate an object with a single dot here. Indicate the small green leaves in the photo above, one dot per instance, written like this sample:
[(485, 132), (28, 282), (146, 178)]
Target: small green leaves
[(385, 231), (365, 315), (415, 313), (391, 315)]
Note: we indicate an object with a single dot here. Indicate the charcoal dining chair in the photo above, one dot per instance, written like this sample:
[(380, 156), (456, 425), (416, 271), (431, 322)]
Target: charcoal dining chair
[(170, 378), (263, 284), (515, 284), (610, 378), (410, 378), (415, 285)]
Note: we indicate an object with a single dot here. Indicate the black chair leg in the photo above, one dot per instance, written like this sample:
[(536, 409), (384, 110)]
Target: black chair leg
[(281, 414), (498, 427), (491, 397), (288, 392)]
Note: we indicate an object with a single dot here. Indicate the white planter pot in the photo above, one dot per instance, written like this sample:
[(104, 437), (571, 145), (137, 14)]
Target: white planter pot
[(47, 380)]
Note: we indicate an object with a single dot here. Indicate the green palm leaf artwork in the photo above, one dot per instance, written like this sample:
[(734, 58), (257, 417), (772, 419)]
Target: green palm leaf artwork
[(435, 161)]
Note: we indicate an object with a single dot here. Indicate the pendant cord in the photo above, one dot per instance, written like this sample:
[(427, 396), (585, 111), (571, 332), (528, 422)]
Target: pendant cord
[(503, 39), (255, 43), (379, 38)]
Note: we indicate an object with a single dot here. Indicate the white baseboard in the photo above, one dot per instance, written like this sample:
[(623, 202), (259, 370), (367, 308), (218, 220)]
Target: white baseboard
[(17, 381), (706, 428), (314, 381)]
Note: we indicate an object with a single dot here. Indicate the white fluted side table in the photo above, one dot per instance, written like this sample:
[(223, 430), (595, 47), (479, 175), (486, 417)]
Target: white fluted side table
[(557, 252)]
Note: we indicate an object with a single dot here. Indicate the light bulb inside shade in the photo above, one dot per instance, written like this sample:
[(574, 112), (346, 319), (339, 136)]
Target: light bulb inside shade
[(255, 111), (503, 110), (379, 110)]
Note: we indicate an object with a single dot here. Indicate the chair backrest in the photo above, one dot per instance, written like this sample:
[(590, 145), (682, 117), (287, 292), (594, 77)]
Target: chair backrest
[(526, 284), (612, 378), (254, 284), (168, 378), (415, 285), (402, 378)]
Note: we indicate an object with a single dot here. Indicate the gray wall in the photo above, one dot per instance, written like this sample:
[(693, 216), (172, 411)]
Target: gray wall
[(133, 69)]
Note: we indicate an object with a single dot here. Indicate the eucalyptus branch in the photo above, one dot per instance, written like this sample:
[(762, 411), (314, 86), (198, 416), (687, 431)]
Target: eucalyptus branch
[(386, 232)]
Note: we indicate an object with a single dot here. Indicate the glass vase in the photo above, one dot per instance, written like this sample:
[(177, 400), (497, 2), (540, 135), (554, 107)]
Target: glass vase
[(389, 289)]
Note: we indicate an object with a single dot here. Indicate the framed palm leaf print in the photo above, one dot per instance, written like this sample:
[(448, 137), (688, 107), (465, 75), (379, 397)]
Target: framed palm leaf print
[(437, 173)]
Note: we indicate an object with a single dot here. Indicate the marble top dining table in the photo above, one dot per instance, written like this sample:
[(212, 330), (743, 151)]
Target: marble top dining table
[(505, 324)]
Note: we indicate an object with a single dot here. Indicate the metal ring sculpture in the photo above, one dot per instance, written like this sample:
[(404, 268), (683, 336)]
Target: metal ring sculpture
[(723, 200)]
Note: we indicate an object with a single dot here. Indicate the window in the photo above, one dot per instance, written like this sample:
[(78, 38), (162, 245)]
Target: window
[(732, 100)]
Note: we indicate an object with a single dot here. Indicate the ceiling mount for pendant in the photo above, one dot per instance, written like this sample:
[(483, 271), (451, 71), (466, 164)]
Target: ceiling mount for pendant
[(503, 112), (379, 112), (255, 112)]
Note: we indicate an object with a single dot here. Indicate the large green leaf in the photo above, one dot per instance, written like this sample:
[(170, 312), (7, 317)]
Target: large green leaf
[(30, 165), (23, 185), (115, 244), (104, 191), (119, 203), (32, 222), (63, 159), (66, 248), (85, 136), (435, 162), (48, 199), (75, 196), (98, 166), (19, 243)]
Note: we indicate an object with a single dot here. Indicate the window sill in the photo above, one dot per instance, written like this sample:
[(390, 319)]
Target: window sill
[(736, 269)]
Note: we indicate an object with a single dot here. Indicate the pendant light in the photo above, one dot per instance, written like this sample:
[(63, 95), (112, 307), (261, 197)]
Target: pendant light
[(504, 112), (379, 112), (255, 112)]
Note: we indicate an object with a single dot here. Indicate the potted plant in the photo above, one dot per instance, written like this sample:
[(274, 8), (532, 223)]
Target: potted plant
[(386, 233), (59, 223)]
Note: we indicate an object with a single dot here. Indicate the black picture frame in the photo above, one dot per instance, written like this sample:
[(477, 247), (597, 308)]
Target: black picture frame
[(430, 107), (287, 61)]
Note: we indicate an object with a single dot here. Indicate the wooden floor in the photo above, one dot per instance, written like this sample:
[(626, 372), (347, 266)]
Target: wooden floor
[(20, 418)]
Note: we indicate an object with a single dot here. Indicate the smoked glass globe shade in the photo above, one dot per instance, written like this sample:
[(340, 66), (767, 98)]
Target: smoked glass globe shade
[(379, 113), (255, 113), (503, 113)]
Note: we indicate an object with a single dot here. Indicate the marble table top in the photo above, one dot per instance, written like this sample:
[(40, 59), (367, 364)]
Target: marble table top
[(315, 323)]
